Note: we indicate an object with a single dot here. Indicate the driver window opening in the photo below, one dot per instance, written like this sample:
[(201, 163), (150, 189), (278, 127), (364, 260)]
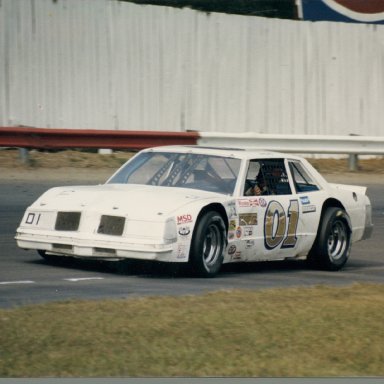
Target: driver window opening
[(267, 177)]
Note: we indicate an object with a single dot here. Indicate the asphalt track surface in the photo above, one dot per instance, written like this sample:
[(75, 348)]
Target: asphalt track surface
[(25, 278)]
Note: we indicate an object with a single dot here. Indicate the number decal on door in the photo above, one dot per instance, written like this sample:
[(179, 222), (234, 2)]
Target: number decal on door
[(275, 225)]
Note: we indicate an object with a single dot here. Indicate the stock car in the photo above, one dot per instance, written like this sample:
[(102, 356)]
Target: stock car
[(197, 205)]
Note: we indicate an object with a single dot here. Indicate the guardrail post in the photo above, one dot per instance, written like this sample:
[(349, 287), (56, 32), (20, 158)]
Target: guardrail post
[(352, 162), (24, 155)]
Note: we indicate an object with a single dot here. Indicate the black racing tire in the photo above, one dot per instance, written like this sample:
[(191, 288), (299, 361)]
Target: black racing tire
[(208, 245), (43, 254), (333, 242)]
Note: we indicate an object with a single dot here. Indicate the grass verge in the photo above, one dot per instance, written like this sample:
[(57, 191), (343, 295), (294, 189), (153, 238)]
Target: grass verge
[(299, 332)]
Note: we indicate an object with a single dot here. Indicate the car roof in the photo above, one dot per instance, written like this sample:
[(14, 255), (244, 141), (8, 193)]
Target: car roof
[(234, 152)]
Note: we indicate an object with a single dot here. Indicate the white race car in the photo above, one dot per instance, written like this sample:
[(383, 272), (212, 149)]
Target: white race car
[(205, 207)]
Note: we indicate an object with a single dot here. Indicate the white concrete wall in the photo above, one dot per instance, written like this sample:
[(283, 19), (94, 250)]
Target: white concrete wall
[(104, 64)]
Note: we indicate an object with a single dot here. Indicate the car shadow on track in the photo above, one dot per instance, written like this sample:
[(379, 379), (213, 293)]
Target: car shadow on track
[(154, 269)]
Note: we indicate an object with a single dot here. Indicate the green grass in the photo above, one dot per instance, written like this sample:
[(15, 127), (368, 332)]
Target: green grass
[(297, 332)]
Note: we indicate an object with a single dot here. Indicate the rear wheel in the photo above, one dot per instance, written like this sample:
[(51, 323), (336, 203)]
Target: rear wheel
[(208, 245), (333, 243)]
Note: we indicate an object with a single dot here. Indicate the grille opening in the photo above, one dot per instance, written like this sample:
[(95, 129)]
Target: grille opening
[(64, 247), (67, 221), (111, 225), (105, 250)]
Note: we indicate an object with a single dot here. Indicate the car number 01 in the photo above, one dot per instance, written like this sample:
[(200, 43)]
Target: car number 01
[(275, 225)]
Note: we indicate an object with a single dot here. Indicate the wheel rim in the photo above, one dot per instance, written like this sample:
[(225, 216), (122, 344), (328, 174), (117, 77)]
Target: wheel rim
[(212, 245), (337, 240)]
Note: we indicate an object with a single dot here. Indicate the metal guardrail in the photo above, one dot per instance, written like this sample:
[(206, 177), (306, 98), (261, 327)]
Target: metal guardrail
[(43, 138), (352, 145), (321, 144)]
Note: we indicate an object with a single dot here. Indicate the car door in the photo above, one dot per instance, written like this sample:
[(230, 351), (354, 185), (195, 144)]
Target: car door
[(310, 196), (268, 225)]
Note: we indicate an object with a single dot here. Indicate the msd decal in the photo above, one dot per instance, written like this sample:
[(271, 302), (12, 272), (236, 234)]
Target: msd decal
[(364, 11), (184, 219)]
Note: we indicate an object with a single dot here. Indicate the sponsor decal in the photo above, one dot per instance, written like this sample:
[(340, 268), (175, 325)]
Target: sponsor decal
[(184, 231), (249, 244), (238, 232), (305, 200), (248, 219), (249, 202), (236, 256), (252, 202), (232, 250), (181, 254), (370, 6), (366, 11), (369, 10), (309, 208), (244, 203), (247, 231), (232, 225), (231, 235), (263, 202), (184, 219), (232, 209)]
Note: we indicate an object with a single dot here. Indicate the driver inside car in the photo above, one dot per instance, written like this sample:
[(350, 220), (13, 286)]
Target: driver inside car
[(260, 188)]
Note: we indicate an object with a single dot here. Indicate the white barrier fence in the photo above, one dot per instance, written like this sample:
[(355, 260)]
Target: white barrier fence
[(102, 64)]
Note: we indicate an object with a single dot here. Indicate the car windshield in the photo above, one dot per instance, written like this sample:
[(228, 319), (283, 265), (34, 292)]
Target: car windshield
[(183, 170)]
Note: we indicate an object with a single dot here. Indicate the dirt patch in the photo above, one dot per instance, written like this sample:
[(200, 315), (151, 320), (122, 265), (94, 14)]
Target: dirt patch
[(62, 159)]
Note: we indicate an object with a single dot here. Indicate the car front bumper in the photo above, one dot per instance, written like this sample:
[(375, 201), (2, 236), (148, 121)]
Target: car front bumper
[(96, 247)]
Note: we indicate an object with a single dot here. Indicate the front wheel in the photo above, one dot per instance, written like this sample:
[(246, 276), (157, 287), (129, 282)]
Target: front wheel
[(208, 245), (52, 259), (333, 243), (44, 255)]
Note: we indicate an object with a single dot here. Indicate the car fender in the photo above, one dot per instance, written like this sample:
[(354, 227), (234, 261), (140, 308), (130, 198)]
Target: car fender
[(187, 217)]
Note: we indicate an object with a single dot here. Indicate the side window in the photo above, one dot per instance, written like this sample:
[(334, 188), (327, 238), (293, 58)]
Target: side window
[(267, 177), (303, 181)]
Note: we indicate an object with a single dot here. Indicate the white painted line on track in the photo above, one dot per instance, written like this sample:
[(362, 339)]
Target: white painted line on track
[(17, 282), (84, 278)]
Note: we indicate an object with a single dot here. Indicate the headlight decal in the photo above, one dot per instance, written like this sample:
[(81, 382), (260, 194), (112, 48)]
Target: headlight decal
[(111, 225), (67, 221)]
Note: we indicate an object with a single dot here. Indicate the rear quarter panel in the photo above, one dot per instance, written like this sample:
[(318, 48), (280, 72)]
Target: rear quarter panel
[(355, 202)]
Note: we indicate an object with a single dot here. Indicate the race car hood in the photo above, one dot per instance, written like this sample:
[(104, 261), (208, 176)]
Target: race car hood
[(139, 202)]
